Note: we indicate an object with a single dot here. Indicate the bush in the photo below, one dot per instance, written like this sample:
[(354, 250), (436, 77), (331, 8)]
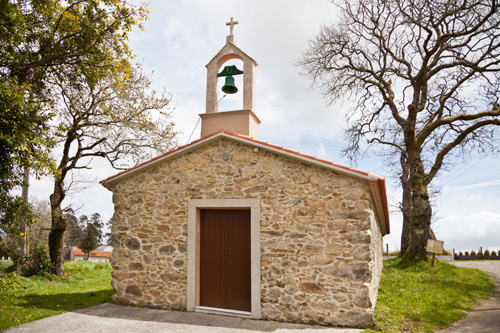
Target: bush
[(473, 253), (467, 253), (487, 253), (446, 253), (493, 253), (460, 254), (36, 262)]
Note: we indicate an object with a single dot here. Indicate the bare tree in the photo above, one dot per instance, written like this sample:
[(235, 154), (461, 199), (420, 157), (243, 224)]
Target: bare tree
[(115, 119), (39, 231), (425, 75)]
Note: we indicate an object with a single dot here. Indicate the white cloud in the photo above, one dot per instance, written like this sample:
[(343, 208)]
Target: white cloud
[(450, 189), (471, 231)]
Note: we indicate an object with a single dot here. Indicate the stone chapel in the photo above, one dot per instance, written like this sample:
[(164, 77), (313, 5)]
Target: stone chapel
[(231, 225)]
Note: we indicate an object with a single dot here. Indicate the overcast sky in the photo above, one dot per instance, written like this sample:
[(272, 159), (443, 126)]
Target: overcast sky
[(182, 36)]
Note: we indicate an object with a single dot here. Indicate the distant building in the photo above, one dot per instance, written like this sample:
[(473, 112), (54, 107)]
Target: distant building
[(75, 254)]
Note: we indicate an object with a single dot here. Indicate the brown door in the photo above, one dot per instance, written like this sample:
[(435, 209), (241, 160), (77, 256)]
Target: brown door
[(225, 259)]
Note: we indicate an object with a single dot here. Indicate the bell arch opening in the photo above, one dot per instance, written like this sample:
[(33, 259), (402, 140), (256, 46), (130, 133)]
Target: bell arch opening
[(228, 101)]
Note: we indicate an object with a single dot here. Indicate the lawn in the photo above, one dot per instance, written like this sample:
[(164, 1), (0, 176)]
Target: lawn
[(26, 299), (418, 298)]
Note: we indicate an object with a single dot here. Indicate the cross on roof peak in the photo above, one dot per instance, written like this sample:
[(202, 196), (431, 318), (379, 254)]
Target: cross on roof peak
[(231, 23)]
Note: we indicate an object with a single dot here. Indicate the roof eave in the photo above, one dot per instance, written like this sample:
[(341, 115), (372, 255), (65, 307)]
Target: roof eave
[(377, 184)]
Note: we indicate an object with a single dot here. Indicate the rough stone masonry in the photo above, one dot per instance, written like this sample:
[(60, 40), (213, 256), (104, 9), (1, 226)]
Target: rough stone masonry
[(321, 245)]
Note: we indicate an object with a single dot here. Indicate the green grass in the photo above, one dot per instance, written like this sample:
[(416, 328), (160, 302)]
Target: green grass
[(26, 299), (7, 267), (418, 298)]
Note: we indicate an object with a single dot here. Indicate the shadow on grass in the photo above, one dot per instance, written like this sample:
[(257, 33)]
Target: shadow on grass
[(66, 301)]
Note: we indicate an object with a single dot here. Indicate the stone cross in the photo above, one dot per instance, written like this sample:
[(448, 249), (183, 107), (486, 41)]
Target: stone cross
[(231, 23)]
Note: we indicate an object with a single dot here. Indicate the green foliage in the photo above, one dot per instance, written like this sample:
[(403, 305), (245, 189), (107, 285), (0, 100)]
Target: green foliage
[(89, 241), (8, 249), (23, 144), (43, 42), (467, 253), (7, 267), (487, 252), (27, 299), (418, 298), (460, 254), (493, 253), (37, 262), (473, 253)]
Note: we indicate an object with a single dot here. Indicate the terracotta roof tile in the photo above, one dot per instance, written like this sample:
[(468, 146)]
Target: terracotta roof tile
[(102, 254), (381, 180)]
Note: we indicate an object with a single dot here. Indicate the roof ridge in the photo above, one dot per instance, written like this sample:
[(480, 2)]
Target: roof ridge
[(247, 138)]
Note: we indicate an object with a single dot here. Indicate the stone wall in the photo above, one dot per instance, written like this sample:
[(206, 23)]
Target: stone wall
[(321, 247)]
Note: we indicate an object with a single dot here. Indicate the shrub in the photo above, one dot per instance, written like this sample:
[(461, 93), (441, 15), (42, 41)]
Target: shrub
[(487, 253), (493, 253), (36, 262), (467, 253), (446, 253), (473, 253), (460, 254)]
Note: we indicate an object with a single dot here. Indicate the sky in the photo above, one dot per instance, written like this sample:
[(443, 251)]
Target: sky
[(182, 36)]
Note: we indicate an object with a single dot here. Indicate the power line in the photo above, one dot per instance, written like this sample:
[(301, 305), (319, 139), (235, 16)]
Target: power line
[(461, 173)]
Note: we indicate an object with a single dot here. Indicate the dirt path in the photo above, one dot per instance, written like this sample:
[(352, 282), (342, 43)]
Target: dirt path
[(486, 317)]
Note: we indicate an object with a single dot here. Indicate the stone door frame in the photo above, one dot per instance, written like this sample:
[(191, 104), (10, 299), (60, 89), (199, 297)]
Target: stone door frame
[(193, 262)]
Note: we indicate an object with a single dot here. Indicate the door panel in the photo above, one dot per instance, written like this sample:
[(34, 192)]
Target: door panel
[(213, 257), (225, 259), (238, 271)]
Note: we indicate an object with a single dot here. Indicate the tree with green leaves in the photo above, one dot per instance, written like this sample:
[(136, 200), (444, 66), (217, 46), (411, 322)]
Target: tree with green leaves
[(89, 241), (97, 223), (75, 230), (425, 77), (43, 42)]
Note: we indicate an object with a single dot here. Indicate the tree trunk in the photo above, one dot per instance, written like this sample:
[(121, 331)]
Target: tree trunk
[(56, 245), (406, 207), (421, 211), (59, 225)]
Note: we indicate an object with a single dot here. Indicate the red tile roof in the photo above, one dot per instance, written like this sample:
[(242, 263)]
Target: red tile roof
[(101, 254), (352, 171)]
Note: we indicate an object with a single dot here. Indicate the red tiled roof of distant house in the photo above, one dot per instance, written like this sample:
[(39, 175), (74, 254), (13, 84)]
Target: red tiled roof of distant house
[(102, 254)]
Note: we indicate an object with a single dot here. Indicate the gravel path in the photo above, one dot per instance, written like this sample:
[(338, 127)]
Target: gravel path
[(486, 317)]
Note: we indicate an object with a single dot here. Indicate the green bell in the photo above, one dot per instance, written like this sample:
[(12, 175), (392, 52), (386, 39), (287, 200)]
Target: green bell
[(229, 87), (228, 72)]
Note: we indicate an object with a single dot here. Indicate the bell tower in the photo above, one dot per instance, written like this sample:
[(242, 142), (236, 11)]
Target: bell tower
[(243, 121)]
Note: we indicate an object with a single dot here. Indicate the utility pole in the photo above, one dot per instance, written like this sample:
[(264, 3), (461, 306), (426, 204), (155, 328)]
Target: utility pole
[(22, 225)]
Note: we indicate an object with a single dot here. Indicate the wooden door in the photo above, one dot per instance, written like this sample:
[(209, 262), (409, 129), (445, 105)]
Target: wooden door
[(225, 259)]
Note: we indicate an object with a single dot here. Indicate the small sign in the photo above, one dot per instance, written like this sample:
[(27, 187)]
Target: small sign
[(435, 246)]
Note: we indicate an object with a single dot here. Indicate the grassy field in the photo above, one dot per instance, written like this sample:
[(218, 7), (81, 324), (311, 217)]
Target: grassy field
[(26, 299), (419, 298)]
